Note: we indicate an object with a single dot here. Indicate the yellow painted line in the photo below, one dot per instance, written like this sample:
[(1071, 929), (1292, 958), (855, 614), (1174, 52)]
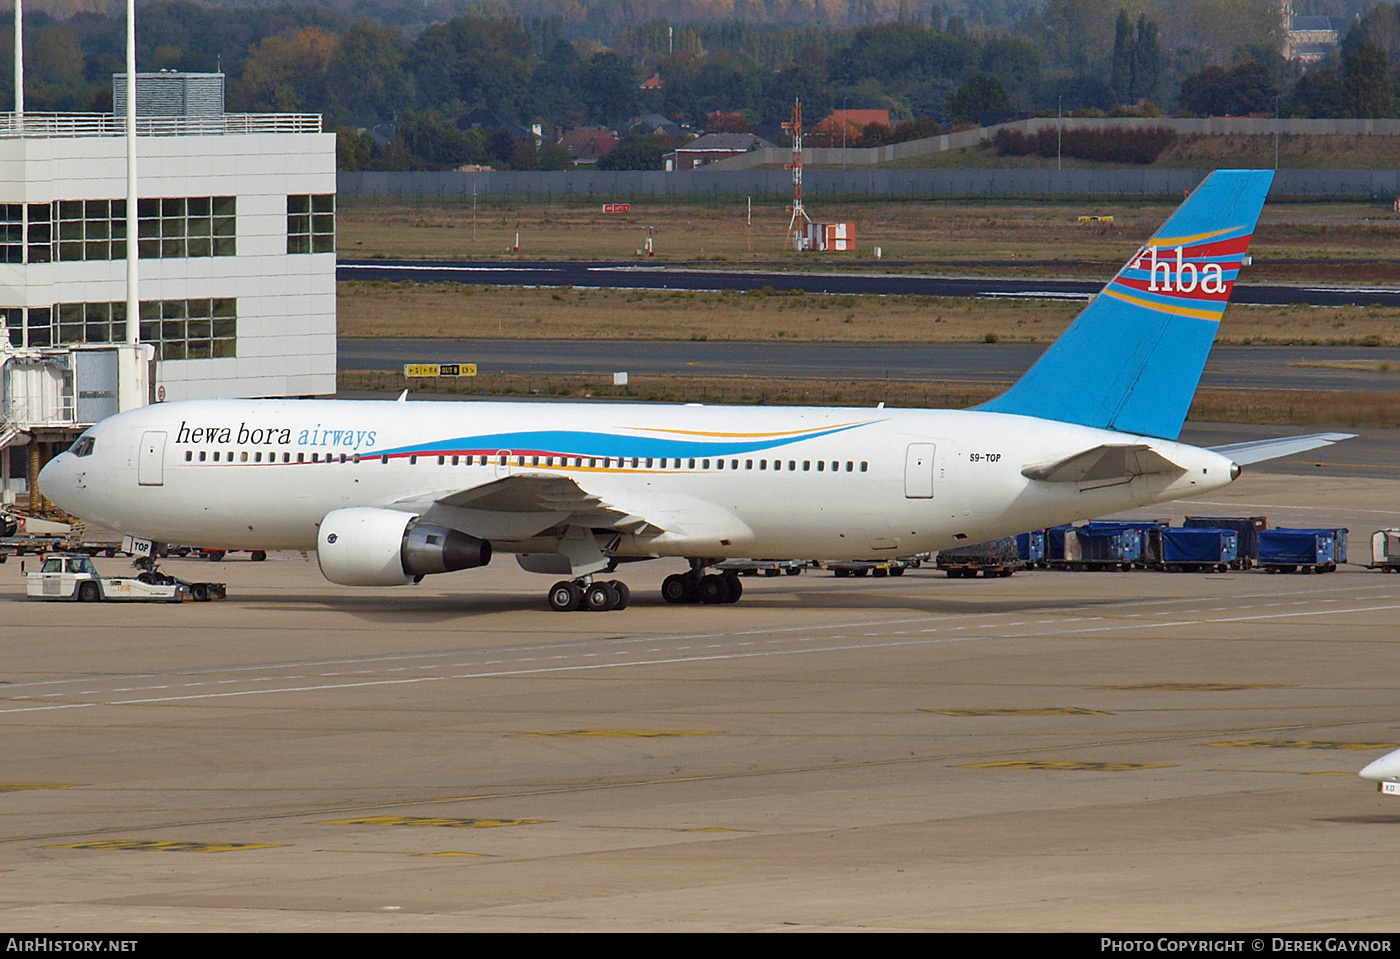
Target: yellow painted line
[(623, 733), (1198, 687), (21, 787), (444, 855), (1052, 764), (1029, 711), (159, 845), (1302, 744), (431, 821)]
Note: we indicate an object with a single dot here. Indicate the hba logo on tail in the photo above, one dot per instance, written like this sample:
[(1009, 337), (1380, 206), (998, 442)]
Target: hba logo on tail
[(1185, 278)]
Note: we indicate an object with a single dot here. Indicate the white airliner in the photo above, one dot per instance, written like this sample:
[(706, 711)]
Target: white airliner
[(1385, 773), (388, 492)]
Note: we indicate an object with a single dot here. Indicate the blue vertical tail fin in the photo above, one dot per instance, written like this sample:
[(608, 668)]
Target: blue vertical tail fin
[(1131, 361)]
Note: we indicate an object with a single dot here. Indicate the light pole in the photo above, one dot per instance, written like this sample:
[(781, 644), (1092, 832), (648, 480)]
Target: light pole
[(1059, 132)]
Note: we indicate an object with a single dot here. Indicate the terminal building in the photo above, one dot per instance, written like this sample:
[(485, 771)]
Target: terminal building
[(236, 247)]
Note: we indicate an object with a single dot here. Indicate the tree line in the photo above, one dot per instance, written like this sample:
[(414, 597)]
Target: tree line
[(405, 91)]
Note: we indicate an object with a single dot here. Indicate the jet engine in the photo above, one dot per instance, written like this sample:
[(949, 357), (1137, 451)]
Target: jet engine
[(365, 546)]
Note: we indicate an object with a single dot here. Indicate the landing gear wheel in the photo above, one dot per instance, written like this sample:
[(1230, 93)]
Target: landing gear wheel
[(678, 589), (600, 597), (624, 595), (733, 588), (565, 597), (713, 590)]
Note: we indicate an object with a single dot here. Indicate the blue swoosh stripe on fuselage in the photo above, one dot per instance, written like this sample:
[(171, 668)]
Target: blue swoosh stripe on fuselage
[(572, 443)]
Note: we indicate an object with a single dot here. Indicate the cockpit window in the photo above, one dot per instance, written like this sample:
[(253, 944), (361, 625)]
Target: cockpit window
[(83, 446)]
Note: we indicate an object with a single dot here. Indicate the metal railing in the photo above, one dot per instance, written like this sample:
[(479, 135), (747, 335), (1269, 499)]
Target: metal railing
[(112, 125)]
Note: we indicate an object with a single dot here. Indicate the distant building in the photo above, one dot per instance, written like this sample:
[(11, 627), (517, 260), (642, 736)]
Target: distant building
[(656, 123), (236, 247), (1309, 39), (587, 146), (712, 147)]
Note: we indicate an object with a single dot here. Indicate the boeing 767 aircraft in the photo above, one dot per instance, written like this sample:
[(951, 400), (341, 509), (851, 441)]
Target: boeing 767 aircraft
[(389, 492)]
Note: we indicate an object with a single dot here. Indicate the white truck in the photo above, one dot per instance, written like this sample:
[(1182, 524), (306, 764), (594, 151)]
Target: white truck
[(74, 577)]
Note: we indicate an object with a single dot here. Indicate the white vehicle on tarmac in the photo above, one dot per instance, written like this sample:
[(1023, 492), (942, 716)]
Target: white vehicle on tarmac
[(74, 577)]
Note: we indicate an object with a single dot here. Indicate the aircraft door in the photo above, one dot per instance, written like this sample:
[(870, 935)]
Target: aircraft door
[(150, 465), (918, 471), (502, 463)]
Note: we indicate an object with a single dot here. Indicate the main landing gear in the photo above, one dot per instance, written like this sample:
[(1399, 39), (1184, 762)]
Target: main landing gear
[(587, 594), (696, 586)]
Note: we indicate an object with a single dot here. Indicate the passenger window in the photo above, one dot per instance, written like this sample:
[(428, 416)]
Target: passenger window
[(189, 455)]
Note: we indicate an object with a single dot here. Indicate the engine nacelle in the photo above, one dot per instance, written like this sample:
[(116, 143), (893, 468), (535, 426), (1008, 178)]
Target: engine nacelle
[(365, 546)]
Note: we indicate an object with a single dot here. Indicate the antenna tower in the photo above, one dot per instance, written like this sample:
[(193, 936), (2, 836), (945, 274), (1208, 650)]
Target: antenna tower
[(797, 233)]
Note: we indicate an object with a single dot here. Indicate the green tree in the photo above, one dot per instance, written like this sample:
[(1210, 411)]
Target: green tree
[(981, 93), (1366, 77), (637, 153), (367, 75)]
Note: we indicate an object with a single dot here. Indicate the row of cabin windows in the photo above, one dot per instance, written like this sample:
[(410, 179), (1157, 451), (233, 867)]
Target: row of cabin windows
[(577, 462)]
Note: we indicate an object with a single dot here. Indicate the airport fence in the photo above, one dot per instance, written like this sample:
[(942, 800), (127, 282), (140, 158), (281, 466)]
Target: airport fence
[(637, 185)]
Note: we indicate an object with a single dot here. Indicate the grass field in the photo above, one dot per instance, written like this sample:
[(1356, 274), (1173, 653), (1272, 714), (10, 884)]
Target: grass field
[(1295, 242), (371, 309)]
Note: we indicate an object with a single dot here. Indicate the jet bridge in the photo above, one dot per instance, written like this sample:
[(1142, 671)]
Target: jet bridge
[(48, 396)]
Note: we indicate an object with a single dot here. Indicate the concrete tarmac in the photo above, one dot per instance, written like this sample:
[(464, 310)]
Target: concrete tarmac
[(1053, 751)]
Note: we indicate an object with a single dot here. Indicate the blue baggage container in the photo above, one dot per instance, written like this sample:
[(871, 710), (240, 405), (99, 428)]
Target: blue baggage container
[(1055, 543), (1284, 550), (1247, 527), (1199, 548), (1151, 531), (1117, 546), (1030, 547)]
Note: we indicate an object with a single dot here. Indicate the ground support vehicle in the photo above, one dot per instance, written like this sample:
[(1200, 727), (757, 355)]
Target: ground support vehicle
[(1198, 549), (1385, 551), (73, 576), (871, 567), (764, 567), (1284, 550), (1246, 527), (998, 557)]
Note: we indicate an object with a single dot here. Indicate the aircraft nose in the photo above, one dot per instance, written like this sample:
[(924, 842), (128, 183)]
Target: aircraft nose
[(56, 480), (1387, 767)]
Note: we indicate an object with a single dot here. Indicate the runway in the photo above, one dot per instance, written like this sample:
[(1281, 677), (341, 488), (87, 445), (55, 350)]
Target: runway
[(650, 276), (1053, 751)]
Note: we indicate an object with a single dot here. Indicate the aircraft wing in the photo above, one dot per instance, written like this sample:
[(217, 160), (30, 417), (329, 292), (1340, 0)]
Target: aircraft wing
[(1257, 451), (523, 505), (1104, 465)]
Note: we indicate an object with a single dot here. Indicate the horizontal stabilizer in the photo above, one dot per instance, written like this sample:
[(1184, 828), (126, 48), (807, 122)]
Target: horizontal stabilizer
[(1104, 464), (1257, 451)]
